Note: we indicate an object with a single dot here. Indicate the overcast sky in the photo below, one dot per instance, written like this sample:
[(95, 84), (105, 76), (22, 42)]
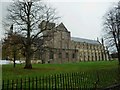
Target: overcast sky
[(83, 18)]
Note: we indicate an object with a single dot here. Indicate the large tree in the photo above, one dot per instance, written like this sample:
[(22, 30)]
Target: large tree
[(26, 16), (112, 29)]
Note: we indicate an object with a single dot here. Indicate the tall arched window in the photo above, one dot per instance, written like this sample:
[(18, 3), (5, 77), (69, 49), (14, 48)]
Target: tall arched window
[(73, 55), (51, 55), (60, 55), (67, 55)]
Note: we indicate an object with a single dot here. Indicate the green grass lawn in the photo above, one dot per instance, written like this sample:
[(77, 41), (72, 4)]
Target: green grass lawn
[(8, 72)]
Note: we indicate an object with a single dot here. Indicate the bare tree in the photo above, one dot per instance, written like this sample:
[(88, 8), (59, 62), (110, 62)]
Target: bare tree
[(26, 17), (112, 29), (12, 45)]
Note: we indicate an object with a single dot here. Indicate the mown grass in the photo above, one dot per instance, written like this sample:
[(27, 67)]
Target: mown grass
[(8, 72)]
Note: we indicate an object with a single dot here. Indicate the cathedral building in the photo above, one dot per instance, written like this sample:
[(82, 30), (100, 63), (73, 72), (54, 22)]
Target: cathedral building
[(62, 48)]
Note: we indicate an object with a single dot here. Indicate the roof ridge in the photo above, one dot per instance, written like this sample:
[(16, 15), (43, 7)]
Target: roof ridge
[(77, 39), (84, 38)]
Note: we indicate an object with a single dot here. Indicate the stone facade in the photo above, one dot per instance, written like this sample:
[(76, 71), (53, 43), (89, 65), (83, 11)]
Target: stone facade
[(62, 48)]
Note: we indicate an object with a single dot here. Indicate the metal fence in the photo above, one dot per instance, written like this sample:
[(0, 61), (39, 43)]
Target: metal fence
[(77, 80)]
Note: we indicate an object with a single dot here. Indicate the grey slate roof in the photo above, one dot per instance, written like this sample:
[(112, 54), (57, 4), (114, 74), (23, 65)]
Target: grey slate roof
[(84, 40)]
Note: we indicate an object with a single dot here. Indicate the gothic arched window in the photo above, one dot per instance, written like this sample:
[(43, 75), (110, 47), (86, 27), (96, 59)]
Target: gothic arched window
[(51, 55)]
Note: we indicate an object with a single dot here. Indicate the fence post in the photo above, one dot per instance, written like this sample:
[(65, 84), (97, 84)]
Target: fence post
[(72, 80), (25, 83), (36, 83), (49, 82), (77, 79), (12, 84), (29, 83), (40, 83), (60, 81), (43, 82), (68, 81), (3, 84), (16, 84), (46, 82), (63, 81), (82, 80), (8, 84), (52, 82), (96, 83), (32, 83), (21, 84), (55, 82)]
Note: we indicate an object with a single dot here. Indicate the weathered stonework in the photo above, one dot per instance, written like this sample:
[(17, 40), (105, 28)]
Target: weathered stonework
[(62, 48)]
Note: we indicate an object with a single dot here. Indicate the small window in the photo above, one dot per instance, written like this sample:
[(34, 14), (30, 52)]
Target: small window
[(60, 55), (51, 55), (73, 56), (67, 55)]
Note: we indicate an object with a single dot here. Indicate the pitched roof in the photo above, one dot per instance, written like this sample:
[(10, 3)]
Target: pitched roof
[(62, 27), (84, 40)]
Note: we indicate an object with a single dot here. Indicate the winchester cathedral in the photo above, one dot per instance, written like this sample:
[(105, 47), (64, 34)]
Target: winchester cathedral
[(60, 47), (63, 48)]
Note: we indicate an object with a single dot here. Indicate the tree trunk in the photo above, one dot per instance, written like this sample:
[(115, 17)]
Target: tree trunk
[(14, 59), (14, 55), (28, 64)]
